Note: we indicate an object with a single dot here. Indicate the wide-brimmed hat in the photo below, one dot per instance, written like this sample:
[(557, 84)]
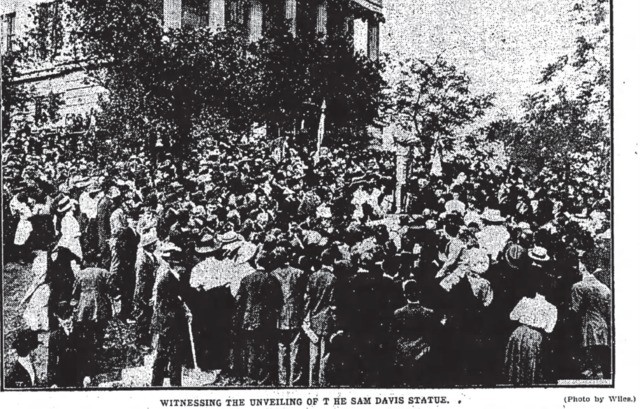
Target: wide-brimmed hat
[(513, 256), (582, 215), (206, 245), (492, 216), (26, 341), (475, 255), (80, 182), (148, 239), (64, 205), (539, 254), (93, 187), (114, 192), (169, 251), (323, 212), (229, 237)]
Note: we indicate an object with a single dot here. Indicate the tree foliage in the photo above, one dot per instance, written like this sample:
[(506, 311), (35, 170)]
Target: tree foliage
[(432, 101), (175, 84), (570, 116)]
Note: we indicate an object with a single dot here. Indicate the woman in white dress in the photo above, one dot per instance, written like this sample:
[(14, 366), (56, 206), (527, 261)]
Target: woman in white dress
[(524, 358), (20, 206), (36, 299)]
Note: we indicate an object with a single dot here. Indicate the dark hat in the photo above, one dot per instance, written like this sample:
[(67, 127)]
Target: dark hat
[(63, 310), (25, 342), (206, 245)]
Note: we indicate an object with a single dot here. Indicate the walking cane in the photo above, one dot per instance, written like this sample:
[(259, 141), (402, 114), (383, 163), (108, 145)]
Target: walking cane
[(191, 338)]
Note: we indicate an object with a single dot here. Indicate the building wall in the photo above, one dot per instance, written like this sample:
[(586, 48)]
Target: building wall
[(79, 95)]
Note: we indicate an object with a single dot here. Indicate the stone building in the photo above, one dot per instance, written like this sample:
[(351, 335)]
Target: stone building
[(62, 78)]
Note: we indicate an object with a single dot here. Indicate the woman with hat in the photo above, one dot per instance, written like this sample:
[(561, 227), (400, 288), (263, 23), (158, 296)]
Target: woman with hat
[(210, 291), (20, 206), (69, 226), (525, 355), (88, 204), (494, 236), (22, 373), (66, 257)]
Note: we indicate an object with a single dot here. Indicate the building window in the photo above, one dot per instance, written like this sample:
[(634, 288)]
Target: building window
[(195, 13), (235, 12), (49, 32), (8, 31)]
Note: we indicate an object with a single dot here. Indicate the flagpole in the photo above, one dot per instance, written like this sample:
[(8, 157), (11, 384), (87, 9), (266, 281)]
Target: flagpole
[(321, 125)]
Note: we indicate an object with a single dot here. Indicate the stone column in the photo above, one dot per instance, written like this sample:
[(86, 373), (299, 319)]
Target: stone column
[(216, 15), (172, 13), (321, 18), (255, 20), (290, 14), (345, 26), (373, 38)]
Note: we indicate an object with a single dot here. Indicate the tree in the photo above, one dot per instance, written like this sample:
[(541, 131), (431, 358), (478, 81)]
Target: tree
[(569, 117), (431, 101), (14, 96), (181, 83), (293, 76), (159, 83)]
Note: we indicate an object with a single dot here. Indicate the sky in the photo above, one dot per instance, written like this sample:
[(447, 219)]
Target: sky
[(501, 44)]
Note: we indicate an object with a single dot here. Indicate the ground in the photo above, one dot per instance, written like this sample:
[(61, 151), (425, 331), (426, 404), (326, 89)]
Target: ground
[(121, 363)]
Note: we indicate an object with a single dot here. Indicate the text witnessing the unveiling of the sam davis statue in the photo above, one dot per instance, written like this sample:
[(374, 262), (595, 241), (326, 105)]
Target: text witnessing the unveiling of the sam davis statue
[(306, 193)]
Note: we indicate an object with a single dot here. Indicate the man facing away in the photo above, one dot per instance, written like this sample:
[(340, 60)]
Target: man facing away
[(293, 283), (169, 324), (414, 328), (320, 317), (259, 301)]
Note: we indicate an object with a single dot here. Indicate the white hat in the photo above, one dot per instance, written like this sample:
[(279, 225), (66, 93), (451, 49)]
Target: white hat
[(539, 254), (114, 192), (492, 216)]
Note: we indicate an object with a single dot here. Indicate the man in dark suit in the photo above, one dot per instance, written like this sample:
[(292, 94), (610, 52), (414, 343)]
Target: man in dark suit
[(320, 317), (414, 330), (22, 373), (258, 306), (68, 365), (103, 216), (369, 325), (293, 283), (146, 267), (169, 323), (93, 308), (123, 255)]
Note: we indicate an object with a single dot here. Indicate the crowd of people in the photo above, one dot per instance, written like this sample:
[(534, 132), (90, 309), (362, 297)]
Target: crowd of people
[(285, 269)]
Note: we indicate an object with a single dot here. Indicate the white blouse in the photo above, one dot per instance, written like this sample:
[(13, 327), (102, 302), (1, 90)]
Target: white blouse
[(536, 312)]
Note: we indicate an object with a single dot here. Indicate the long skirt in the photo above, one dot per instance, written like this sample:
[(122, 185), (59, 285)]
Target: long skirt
[(523, 357), (36, 312), (23, 230)]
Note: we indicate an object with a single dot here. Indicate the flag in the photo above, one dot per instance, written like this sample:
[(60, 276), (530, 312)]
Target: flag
[(321, 129)]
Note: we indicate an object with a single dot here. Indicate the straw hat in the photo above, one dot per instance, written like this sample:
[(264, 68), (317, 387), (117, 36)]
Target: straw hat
[(64, 205), (148, 239), (170, 252), (206, 245), (492, 216), (229, 237), (539, 254)]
